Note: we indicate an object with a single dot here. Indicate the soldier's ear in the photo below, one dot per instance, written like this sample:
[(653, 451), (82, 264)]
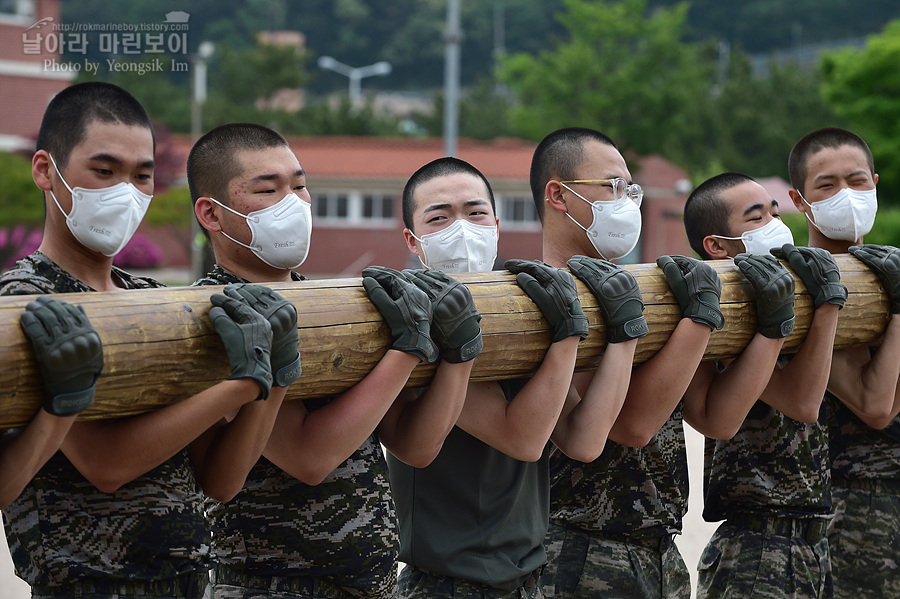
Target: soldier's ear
[(715, 247)]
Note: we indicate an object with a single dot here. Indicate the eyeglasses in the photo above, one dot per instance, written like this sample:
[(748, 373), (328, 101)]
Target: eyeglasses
[(622, 188)]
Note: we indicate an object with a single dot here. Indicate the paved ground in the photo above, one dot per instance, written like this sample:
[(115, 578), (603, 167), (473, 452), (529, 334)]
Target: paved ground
[(691, 543)]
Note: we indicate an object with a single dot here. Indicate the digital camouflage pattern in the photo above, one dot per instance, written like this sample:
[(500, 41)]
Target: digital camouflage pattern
[(38, 274), (627, 498), (859, 451), (418, 584), (865, 534), (273, 587), (738, 562), (583, 565), (344, 529), (773, 466), (865, 543), (634, 491), (62, 529), (772, 482), (220, 276)]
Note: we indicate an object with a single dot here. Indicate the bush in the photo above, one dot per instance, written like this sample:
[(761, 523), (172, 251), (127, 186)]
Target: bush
[(887, 228), (171, 207), (141, 253), (17, 242), (21, 202)]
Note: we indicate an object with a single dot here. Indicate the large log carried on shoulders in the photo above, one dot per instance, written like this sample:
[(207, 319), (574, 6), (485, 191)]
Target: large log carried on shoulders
[(160, 348)]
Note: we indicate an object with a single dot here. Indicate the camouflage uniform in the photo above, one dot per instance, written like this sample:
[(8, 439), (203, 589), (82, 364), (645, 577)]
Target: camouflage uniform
[(472, 522), (771, 483), (865, 535), (612, 520), (419, 584), (149, 538), (280, 537)]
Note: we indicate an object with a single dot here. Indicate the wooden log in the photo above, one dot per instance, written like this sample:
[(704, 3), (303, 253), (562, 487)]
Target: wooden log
[(160, 348)]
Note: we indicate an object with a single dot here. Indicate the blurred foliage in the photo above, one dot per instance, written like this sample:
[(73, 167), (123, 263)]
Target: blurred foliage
[(21, 209), (654, 74), (21, 202), (483, 113), (171, 207), (635, 81), (797, 224), (863, 86), (886, 230), (409, 33), (753, 121), (141, 252)]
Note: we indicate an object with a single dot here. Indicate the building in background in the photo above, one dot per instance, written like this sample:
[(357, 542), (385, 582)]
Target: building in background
[(30, 69)]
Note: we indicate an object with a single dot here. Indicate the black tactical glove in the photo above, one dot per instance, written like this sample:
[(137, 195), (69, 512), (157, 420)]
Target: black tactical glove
[(818, 271), (405, 308), (455, 322), (68, 352), (884, 261), (247, 337), (282, 317), (697, 288), (619, 296), (773, 286), (554, 292)]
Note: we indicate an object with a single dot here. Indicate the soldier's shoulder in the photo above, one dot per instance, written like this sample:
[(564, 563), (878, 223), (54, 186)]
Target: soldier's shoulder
[(24, 279)]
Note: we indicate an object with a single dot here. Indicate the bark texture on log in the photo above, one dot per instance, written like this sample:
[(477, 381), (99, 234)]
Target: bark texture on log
[(160, 348)]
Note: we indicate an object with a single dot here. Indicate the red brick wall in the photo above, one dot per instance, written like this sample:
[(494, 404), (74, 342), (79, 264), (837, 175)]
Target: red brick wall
[(24, 118), (24, 98), (662, 229)]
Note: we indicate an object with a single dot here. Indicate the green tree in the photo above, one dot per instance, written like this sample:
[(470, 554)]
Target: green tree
[(863, 86), (340, 118), (21, 209), (622, 71), (483, 113), (763, 25), (20, 200), (755, 120), (240, 80)]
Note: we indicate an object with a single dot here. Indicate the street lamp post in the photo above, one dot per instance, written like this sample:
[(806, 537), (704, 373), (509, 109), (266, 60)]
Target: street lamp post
[(198, 91), (355, 74), (198, 98), (452, 40)]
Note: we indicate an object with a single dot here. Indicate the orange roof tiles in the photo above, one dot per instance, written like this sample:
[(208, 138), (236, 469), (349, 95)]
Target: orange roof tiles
[(400, 157)]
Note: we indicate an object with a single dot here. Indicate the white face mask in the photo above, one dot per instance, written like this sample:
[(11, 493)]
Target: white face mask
[(103, 220), (616, 226), (773, 234), (847, 215), (281, 232), (461, 247)]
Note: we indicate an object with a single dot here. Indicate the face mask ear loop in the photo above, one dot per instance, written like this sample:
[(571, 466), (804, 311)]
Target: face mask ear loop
[(244, 216), (56, 168), (806, 214), (571, 218), (53, 195), (421, 251)]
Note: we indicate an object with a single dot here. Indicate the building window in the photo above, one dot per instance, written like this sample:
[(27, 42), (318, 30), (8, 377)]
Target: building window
[(20, 9), (517, 212), (377, 207), (352, 208), (331, 206)]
